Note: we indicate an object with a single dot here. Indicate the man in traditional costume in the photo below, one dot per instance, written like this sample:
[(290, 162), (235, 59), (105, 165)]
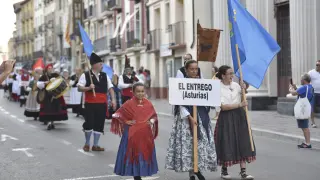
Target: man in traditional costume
[(32, 106), (95, 101), (136, 155), (75, 95), (24, 83), (51, 109), (126, 82)]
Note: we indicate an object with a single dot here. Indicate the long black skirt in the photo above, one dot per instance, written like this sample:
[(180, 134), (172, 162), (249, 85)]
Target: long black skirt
[(232, 138)]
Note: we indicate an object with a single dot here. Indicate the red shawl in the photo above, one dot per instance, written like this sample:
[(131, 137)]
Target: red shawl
[(140, 136)]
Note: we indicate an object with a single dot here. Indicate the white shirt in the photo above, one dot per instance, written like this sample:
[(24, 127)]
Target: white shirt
[(230, 94), (123, 85), (82, 80), (315, 80)]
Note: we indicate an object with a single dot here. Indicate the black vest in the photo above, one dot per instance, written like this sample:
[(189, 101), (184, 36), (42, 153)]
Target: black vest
[(128, 80), (75, 79), (183, 70), (101, 86)]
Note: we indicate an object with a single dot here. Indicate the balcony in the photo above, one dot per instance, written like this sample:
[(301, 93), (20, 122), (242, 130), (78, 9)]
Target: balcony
[(115, 44), (58, 30), (102, 45), (37, 54), (115, 5), (154, 40), (177, 35), (133, 43), (105, 10)]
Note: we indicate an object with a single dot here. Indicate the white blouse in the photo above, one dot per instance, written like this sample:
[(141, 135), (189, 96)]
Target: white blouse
[(230, 94)]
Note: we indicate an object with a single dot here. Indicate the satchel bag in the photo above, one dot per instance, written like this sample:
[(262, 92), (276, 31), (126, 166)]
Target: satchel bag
[(302, 109)]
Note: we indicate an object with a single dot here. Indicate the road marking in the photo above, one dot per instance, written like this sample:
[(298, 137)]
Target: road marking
[(4, 137), (86, 153), (32, 126), (93, 177), (25, 150), (147, 178), (66, 142), (111, 165), (1, 128), (21, 120), (6, 112), (13, 116)]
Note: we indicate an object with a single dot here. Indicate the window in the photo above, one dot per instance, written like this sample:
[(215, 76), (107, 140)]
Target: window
[(137, 23), (167, 14)]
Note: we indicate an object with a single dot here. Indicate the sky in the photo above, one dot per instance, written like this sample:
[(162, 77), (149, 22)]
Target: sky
[(7, 19)]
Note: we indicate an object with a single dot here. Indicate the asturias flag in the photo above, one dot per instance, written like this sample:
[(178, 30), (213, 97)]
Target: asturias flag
[(87, 44), (256, 46)]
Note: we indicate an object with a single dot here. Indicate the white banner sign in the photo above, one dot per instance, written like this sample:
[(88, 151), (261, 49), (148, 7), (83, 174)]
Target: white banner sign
[(199, 92)]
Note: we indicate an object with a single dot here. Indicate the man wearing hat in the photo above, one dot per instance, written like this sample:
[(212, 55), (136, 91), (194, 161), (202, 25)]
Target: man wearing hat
[(95, 105), (126, 81)]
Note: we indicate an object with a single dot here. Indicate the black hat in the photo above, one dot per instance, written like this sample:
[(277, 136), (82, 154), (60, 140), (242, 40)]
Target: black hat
[(94, 59)]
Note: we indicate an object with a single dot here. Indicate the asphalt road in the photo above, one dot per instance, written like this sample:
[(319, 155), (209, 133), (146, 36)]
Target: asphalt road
[(29, 152)]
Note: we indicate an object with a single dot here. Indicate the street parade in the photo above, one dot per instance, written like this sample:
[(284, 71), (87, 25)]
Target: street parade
[(90, 91)]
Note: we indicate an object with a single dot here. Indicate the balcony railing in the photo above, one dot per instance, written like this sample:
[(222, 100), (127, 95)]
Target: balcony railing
[(154, 40), (102, 44), (114, 4), (177, 34), (133, 40), (115, 44)]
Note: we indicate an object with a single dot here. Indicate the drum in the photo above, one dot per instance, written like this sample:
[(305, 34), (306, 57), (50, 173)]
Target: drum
[(57, 87)]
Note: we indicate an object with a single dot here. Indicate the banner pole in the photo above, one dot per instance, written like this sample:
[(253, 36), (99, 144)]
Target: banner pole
[(244, 97)]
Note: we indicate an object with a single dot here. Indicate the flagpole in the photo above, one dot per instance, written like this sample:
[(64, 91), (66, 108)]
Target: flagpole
[(244, 97), (88, 65)]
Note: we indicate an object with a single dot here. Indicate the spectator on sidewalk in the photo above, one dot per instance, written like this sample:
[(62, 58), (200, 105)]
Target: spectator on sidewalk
[(315, 81), (305, 90)]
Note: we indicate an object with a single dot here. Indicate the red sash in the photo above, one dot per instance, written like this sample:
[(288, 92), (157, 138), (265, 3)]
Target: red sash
[(100, 98)]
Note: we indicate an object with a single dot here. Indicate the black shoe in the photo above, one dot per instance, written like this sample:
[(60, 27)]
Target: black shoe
[(49, 127), (304, 145), (224, 173), (200, 176), (53, 126), (192, 178), (35, 118), (137, 178)]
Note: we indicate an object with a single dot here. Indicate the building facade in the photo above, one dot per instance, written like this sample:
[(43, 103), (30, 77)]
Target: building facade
[(19, 41), (39, 29), (27, 15), (50, 45)]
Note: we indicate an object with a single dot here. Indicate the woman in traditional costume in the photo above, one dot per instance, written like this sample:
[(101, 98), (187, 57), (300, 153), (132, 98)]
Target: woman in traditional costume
[(231, 133), (136, 155), (180, 151), (32, 106), (51, 109), (75, 95)]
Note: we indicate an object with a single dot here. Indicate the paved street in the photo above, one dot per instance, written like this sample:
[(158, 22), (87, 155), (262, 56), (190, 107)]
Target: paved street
[(264, 123), (29, 152)]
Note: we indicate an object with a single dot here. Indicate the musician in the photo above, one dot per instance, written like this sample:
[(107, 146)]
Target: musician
[(51, 109), (32, 107), (95, 106), (181, 73), (25, 78), (75, 95), (126, 82)]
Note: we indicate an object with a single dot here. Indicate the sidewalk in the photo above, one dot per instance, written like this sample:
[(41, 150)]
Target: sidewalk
[(264, 123)]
